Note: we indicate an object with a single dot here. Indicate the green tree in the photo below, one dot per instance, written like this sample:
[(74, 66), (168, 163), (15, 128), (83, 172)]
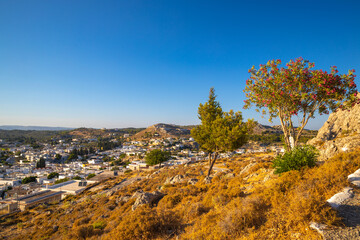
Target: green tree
[(28, 179), (58, 157), (41, 163), (91, 175), (156, 156), (53, 175), (219, 131), (298, 91)]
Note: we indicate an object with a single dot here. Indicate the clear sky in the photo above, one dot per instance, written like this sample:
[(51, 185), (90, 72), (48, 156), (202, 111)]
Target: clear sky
[(129, 63)]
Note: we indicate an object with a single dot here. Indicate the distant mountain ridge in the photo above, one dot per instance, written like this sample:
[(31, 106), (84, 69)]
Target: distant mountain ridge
[(36, 128)]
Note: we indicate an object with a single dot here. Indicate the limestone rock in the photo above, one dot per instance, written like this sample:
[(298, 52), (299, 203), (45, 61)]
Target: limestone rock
[(336, 200), (320, 228), (193, 181), (125, 198), (207, 180), (146, 198), (341, 132), (354, 178), (247, 167), (175, 179)]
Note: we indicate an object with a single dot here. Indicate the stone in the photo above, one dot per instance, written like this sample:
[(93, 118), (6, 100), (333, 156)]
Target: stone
[(55, 228), (320, 228), (230, 175), (354, 178), (125, 198), (193, 181), (175, 179), (207, 180), (336, 200), (147, 198), (247, 167)]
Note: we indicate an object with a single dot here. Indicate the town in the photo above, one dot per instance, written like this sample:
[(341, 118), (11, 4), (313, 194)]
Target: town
[(46, 172)]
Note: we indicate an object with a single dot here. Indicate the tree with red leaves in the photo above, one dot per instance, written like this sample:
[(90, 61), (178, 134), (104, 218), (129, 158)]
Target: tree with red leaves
[(298, 91)]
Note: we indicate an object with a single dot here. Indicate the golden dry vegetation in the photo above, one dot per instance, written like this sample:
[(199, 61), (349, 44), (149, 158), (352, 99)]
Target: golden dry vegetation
[(252, 205)]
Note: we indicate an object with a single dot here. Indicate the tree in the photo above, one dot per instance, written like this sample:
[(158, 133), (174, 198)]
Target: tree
[(58, 157), (219, 131), (298, 91), (28, 179), (41, 163), (53, 175), (91, 175), (156, 156)]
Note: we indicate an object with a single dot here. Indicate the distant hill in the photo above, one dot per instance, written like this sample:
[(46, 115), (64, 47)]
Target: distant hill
[(162, 130), (36, 128), (104, 133)]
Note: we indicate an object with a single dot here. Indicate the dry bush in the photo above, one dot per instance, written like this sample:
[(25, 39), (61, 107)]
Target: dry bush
[(147, 223)]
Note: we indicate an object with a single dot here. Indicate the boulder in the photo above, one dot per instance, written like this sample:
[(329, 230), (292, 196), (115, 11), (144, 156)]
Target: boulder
[(336, 200), (175, 179), (193, 181), (125, 198), (146, 198), (247, 167)]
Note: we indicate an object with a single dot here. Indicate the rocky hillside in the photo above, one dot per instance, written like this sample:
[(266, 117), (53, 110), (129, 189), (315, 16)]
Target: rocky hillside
[(162, 130), (244, 201), (341, 132)]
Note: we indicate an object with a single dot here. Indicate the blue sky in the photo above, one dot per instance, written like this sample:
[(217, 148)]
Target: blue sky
[(136, 63)]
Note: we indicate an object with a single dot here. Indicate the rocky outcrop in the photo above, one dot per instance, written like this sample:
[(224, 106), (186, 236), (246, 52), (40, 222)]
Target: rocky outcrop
[(341, 132), (146, 198), (175, 179)]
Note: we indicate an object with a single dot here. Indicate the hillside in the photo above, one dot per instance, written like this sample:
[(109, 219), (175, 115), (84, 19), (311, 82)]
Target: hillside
[(162, 130), (244, 201)]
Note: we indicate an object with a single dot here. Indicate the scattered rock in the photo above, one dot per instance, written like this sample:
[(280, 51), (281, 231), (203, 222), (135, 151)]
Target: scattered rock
[(121, 199), (247, 167), (193, 181), (336, 200), (320, 228), (230, 175), (146, 198), (354, 178), (207, 180), (55, 228), (175, 179)]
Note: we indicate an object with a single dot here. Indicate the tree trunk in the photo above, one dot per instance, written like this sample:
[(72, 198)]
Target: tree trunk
[(211, 165)]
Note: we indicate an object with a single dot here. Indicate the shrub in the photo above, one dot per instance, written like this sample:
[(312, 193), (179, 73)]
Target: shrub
[(91, 175), (99, 225), (296, 159), (61, 180), (28, 179)]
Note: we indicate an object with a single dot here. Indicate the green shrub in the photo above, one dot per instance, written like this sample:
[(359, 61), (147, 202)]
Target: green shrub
[(297, 158), (91, 175), (28, 179), (99, 225), (61, 180)]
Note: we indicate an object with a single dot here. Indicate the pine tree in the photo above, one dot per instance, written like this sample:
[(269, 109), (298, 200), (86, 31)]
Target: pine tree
[(219, 131)]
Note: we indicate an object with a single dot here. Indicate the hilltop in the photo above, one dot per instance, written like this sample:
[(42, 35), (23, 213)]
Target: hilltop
[(162, 130)]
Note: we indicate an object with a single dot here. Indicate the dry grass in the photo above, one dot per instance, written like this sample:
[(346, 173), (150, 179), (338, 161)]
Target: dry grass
[(253, 205)]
